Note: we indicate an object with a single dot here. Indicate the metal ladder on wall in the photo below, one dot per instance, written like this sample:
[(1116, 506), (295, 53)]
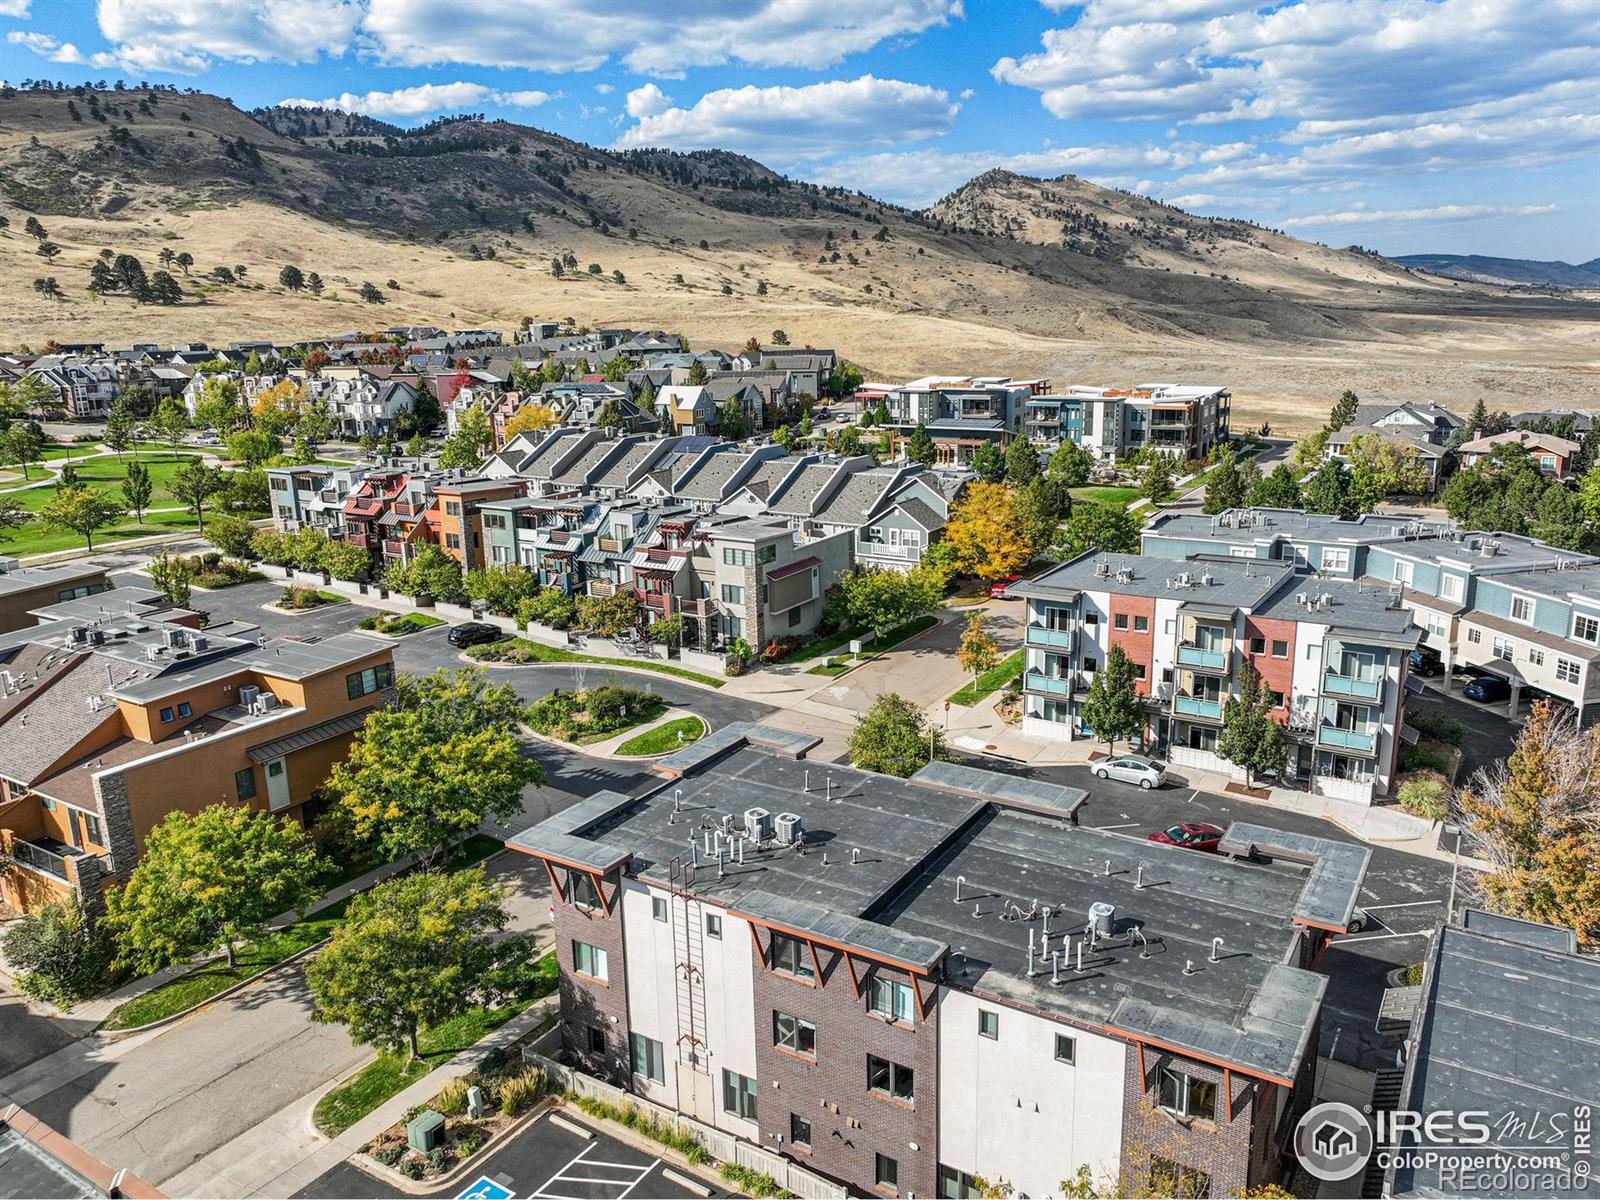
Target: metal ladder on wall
[(688, 952)]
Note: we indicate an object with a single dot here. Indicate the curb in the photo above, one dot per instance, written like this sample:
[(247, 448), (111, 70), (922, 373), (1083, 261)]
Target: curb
[(117, 1035), (511, 666), (705, 730), (874, 655), (363, 1161)]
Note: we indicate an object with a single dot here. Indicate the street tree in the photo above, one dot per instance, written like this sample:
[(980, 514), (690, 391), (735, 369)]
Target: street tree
[(1250, 738), (1112, 711), (81, 510), (207, 881), (920, 447), (977, 652), (137, 488), (413, 953), (988, 532), (172, 575), (882, 599), (23, 443), (893, 737), (253, 447), (426, 771), (119, 426)]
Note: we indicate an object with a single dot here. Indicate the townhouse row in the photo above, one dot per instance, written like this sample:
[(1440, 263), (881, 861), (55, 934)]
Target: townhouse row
[(912, 985), (117, 709)]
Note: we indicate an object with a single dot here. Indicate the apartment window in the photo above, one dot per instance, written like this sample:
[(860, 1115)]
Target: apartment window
[(1474, 636), (714, 925), (790, 954), (1169, 1178), (1275, 698), (1503, 649), (792, 1033), (1091, 619), (733, 557), (1522, 609), (1090, 665), (647, 1057), (452, 508), (597, 1040), (957, 1185), (1280, 648), (1452, 587), (1585, 629), (583, 891), (988, 1024), (739, 1095), (1186, 1096), (244, 784), (1402, 573), (185, 709), (1258, 645), (452, 541), (91, 830), (799, 1131), (658, 908), (166, 716), (1120, 620), (364, 683), (891, 1079), (1141, 624), (732, 594), (886, 1174), (1066, 1048), (890, 999), (1336, 559), (589, 960), (1567, 670)]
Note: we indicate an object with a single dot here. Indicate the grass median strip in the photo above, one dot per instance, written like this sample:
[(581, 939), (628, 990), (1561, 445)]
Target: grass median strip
[(521, 650), (663, 738), (870, 649), (390, 1074), (201, 984), (997, 676)]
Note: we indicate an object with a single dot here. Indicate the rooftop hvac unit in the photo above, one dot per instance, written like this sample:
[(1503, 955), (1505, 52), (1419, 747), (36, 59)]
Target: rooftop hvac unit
[(264, 703), (78, 635), (7, 565), (1207, 579), (1102, 918), (172, 637), (248, 694), (790, 828), (758, 824), (200, 643), (1102, 570), (97, 637)]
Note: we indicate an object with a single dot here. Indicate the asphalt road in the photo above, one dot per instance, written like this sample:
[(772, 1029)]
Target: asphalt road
[(543, 1160), (1405, 894)]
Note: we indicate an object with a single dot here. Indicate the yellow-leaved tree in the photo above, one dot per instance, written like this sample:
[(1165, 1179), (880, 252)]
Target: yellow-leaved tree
[(988, 533), (530, 418)]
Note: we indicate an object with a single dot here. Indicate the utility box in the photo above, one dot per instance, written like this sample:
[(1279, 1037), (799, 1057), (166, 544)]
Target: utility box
[(475, 1102), (425, 1131)]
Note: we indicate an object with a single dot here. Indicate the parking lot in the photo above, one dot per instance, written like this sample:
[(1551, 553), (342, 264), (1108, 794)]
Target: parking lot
[(554, 1158)]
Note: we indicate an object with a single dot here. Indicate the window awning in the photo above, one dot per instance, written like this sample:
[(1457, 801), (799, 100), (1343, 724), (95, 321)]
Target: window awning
[(310, 736)]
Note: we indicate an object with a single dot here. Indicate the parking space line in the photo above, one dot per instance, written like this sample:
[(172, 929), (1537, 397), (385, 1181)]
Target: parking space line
[(639, 1180), (1408, 904), (1129, 825), (573, 1161)]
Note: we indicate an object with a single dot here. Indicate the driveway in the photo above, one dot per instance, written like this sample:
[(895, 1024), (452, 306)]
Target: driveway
[(924, 669), (159, 1104)]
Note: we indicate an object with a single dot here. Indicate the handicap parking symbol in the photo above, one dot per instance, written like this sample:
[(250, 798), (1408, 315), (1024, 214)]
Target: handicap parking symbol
[(484, 1188)]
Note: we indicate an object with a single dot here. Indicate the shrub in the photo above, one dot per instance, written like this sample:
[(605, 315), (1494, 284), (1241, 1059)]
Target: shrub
[(298, 598), (57, 954), (439, 1159), (469, 1140), (518, 1092), (411, 1167), (1424, 797), (390, 1155), (752, 1183), (1424, 758), (778, 649), (451, 1099), (1437, 725)]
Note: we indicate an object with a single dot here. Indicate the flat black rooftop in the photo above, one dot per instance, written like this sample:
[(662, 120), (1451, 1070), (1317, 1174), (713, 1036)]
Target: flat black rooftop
[(879, 867), (1507, 1025), (28, 1172)]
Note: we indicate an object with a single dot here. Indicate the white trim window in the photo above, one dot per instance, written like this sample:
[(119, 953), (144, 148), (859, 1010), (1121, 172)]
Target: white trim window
[(1536, 658), (1337, 558), (1402, 572), (1585, 628), (1452, 588), (1522, 610), (1567, 670)]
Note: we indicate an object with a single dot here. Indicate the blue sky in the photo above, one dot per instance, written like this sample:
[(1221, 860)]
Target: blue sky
[(1410, 126)]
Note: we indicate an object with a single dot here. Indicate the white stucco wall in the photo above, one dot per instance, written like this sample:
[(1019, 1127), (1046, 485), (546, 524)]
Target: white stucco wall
[(1008, 1110)]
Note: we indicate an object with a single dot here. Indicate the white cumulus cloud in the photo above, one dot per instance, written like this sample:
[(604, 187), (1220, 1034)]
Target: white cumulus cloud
[(422, 100), (788, 123), (648, 101), (1438, 212)]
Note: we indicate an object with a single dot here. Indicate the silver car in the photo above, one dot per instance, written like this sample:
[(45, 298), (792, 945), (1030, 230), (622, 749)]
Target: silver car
[(1132, 769)]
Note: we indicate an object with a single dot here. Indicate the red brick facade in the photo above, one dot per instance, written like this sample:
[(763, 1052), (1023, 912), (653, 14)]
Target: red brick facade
[(1138, 644), (1276, 673), (587, 1003)]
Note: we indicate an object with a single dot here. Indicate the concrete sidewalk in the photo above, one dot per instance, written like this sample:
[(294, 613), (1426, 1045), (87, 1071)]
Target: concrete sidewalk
[(283, 1154)]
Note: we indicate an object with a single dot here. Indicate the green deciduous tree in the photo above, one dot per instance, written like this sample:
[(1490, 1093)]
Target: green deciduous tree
[(882, 599), (172, 575), (137, 488), (426, 771), (894, 738), (193, 485), (1327, 490), (431, 572), (1112, 710), (57, 954), (469, 443), (977, 652), (988, 464), (119, 425), (1072, 464), (231, 535), (1099, 527), (82, 511), (733, 422), (169, 422), (206, 881), (1250, 738), (1225, 486), (252, 447), (501, 588), (1279, 489), (413, 953)]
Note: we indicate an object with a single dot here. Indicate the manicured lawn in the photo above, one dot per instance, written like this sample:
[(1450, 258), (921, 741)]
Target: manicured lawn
[(825, 645), (521, 650), (199, 985), (108, 474), (35, 538), (401, 624), (1119, 497), (870, 649), (832, 666), (390, 1074), (663, 738), (324, 599), (998, 676)]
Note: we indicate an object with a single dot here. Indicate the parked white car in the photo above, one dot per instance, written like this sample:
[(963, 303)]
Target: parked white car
[(1132, 769)]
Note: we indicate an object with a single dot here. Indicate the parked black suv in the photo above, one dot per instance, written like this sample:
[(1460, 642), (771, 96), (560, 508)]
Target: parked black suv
[(1426, 662), (474, 633)]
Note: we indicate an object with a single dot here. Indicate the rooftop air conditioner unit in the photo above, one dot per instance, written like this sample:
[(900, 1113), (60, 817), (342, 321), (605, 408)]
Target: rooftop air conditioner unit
[(264, 703), (790, 828), (172, 637), (247, 695), (78, 635), (758, 824), (1207, 579)]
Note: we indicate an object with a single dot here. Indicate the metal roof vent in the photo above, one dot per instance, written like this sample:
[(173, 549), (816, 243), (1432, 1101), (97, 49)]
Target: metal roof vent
[(1102, 918)]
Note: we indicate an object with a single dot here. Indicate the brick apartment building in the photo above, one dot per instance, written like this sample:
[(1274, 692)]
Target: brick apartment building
[(1333, 653), (908, 984), (115, 714)]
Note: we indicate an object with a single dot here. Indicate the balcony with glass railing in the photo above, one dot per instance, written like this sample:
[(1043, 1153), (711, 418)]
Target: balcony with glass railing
[(1040, 635), (1035, 680), (1203, 657), (1197, 706), (1363, 740), (1359, 686)]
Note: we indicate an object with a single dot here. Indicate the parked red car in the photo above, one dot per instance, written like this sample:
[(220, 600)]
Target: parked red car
[(997, 591), (1189, 835)]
